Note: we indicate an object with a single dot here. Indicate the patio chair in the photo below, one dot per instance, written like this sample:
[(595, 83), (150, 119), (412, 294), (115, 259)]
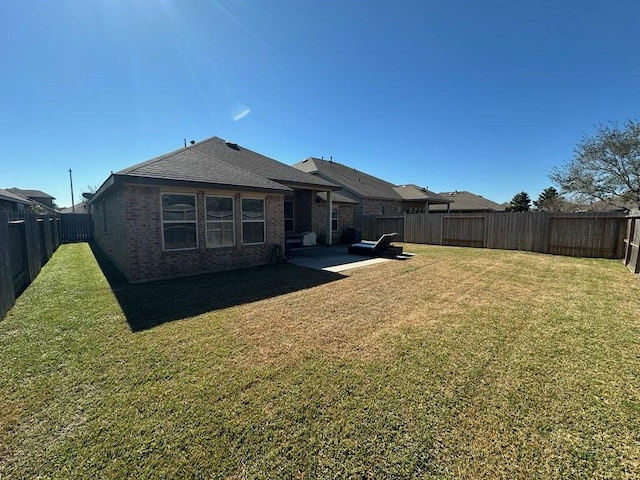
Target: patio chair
[(380, 248)]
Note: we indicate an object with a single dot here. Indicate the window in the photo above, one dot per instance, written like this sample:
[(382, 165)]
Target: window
[(179, 221), (289, 225), (220, 224), (253, 221), (334, 219)]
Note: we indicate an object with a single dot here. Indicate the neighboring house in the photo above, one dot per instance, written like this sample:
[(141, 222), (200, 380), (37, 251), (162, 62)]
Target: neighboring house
[(38, 196), (467, 202), (615, 205), (78, 208), (364, 194), (208, 207), (14, 203)]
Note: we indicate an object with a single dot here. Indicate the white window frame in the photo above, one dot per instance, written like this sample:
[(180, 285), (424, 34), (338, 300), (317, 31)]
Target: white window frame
[(263, 221), (232, 221), (164, 222)]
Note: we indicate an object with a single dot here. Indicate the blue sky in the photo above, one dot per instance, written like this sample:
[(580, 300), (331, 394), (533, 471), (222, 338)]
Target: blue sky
[(485, 96)]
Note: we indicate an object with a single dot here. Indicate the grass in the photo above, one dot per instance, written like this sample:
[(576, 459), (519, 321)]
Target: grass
[(458, 363)]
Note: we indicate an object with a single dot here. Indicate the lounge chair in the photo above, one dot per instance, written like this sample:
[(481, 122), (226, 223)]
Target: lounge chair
[(381, 248)]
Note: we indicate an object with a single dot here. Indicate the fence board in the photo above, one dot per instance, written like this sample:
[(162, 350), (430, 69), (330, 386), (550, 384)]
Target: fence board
[(25, 245), (18, 258), (7, 292), (584, 235), (366, 224), (76, 227), (373, 226), (581, 236), (32, 237), (390, 225), (463, 230)]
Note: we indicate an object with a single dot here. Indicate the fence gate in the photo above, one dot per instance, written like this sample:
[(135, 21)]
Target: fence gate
[(76, 227)]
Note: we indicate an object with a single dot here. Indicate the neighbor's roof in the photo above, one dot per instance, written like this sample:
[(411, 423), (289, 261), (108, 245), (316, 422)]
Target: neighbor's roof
[(414, 192), (14, 197), (77, 208), (360, 183), (31, 193), (190, 165), (240, 157), (467, 201)]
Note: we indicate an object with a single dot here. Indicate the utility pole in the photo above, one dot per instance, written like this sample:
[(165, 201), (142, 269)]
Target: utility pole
[(73, 207)]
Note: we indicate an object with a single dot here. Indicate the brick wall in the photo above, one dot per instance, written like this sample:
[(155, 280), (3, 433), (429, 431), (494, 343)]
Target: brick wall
[(345, 219), (320, 220), (109, 227), (135, 244), (371, 206)]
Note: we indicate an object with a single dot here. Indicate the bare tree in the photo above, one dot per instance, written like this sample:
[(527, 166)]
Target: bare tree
[(605, 166)]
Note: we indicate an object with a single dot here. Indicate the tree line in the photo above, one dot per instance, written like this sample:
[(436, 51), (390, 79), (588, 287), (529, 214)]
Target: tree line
[(604, 170)]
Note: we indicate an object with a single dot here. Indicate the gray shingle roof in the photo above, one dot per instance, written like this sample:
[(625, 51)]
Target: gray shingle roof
[(31, 193), (191, 165), (467, 201), (240, 157), (416, 193), (360, 183), (14, 197)]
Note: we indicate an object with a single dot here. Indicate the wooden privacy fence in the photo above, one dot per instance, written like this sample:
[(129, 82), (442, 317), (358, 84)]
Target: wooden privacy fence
[(373, 226), (572, 234), (76, 227), (25, 245), (632, 243)]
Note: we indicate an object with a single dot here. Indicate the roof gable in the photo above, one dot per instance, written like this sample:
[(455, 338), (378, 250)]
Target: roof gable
[(191, 165), (360, 183), (250, 161)]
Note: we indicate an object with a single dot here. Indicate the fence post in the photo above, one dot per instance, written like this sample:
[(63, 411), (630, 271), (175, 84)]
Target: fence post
[(7, 291), (32, 241)]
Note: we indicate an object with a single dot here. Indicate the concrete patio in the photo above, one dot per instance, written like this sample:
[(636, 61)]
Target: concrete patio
[(334, 258)]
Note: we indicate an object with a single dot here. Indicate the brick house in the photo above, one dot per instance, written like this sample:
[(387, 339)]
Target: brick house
[(364, 194), (208, 207)]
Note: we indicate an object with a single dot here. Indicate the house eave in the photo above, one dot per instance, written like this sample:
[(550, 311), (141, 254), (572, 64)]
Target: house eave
[(308, 186), (166, 182)]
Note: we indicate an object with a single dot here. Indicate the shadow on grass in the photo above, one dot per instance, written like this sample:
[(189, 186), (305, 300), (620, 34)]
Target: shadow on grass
[(148, 305)]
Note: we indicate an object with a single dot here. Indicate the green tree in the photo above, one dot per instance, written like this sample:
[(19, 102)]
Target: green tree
[(549, 200), (520, 203), (605, 166)]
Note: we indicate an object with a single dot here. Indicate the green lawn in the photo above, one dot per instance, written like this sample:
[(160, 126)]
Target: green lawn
[(457, 363)]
